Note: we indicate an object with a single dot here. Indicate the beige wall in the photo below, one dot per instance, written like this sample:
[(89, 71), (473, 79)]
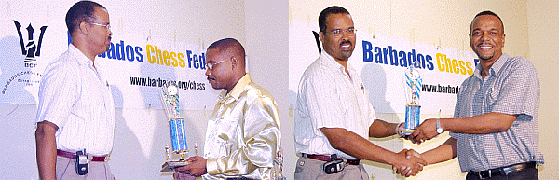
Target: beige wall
[(543, 28), (531, 31)]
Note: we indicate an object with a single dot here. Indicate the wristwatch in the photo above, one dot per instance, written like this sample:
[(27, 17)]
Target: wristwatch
[(439, 128)]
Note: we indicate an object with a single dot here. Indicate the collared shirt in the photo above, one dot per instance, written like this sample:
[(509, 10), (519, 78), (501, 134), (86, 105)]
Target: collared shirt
[(328, 97), (511, 87), (74, 96), (243, 134)]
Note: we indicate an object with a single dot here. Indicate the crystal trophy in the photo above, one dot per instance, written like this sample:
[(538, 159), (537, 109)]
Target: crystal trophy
[(169, 96), (412, 88)]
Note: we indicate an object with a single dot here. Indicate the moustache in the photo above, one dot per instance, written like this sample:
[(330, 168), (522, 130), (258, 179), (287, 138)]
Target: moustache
[(345, 42)]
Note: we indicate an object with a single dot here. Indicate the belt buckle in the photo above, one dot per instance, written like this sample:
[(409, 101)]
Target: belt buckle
[(482, 173)]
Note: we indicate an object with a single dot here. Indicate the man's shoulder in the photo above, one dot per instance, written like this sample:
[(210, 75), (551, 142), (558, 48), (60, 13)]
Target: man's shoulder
[(319, 69), (65, 64), (520, 63), (254, 91)]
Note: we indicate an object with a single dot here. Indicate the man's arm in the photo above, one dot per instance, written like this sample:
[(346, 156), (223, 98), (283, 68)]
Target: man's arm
[(444, 152), (381, 128), (482, 124), (358, 147), (45, 143)]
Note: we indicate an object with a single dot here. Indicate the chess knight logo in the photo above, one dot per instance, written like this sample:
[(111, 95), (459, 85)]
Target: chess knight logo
[(31, 50)]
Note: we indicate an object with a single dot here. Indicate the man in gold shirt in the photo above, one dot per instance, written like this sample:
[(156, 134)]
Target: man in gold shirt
[(243, 135)]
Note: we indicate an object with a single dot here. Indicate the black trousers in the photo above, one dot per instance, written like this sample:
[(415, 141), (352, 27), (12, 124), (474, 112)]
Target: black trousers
[(529, 173)]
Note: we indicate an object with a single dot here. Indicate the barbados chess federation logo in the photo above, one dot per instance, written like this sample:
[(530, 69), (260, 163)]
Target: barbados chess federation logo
[(30, 50)]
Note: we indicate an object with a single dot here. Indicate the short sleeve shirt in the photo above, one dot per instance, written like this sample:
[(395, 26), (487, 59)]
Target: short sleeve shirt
[(511, 87), (75, 97), (328, 97)]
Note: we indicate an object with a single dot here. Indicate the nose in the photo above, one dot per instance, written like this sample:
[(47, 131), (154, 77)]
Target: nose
[(484, 36), (208, 72)]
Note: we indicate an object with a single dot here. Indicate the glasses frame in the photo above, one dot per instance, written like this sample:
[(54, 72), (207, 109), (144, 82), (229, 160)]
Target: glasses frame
[(209, 66), (108, 26), (339, 32)]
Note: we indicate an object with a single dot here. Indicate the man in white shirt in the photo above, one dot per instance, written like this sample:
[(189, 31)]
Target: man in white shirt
[(333, 118), (76, 109)]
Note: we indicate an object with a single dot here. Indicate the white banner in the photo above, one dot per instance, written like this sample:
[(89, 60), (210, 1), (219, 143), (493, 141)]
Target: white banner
[(382, 61), (136, 66)]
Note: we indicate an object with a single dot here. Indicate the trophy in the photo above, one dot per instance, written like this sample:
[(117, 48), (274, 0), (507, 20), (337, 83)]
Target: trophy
[(169, 96), (412, 89), (278, 166)]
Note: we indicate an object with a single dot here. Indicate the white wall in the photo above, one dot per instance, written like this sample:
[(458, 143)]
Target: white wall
[(543, 28), (267, 49)]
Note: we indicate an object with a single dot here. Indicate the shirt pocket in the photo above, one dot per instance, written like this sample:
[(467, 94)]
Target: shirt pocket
[(492, 96)]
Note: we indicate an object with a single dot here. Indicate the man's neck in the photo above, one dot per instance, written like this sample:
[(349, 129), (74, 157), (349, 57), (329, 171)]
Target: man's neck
[(486, 65), (83, 47)]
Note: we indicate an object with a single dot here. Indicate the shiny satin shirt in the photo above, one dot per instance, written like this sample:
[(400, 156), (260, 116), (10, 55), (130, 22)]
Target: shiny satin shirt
[(243, 133)]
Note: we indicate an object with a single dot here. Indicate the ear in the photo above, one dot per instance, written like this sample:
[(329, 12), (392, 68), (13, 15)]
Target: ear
[(321, 36), (234, 62), (83, 27), (504, 40)]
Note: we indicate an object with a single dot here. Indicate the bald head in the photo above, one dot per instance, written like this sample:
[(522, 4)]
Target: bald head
[(232, 47), (226, 63)]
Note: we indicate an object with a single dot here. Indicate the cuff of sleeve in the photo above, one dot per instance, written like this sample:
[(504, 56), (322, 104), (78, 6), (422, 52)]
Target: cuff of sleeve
[(211, 166)]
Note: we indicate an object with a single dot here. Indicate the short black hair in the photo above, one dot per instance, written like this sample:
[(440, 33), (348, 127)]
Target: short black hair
[(229, 44), (326, 12), (491, 13), (81, 11)]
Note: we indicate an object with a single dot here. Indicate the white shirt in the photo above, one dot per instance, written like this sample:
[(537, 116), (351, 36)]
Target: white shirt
[(328, 97), (78, 100)]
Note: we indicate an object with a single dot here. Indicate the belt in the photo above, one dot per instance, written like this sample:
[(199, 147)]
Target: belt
[(71, 155), (504, 170), (329, 158)]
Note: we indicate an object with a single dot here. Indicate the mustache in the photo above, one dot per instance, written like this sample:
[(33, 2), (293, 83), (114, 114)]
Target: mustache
[(346, 41)]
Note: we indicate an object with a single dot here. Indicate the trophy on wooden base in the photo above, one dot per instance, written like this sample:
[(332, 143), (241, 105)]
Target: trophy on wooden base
[(412, 89), (170, 100)]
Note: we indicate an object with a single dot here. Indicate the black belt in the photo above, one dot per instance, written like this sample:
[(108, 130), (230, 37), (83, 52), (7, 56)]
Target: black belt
[(329, 158), (504, 170)]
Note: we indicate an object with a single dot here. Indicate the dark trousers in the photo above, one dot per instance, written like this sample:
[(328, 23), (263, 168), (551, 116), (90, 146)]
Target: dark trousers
[(530, 174)]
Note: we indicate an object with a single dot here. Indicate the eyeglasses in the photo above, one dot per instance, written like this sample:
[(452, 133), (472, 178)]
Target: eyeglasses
[(210, 66), (339, 32), (108, 26)]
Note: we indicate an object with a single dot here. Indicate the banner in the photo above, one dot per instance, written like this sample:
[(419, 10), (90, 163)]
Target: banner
[(135, 66), (382, 60)]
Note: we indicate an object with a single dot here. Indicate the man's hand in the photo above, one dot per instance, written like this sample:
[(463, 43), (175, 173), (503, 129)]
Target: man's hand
[(409, 165), (425, 131), (196, 166), (183, 176)]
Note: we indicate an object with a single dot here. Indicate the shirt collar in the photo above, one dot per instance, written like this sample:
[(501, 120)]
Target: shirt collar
[(495, 67), (236, 91), (329, 61), (82, 58)]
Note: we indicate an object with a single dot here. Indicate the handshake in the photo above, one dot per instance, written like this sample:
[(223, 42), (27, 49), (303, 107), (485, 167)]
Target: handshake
[(414, 162)]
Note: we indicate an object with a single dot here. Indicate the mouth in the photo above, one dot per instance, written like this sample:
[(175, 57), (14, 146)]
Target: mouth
[(485, 46), (210, 79), (346, 45)]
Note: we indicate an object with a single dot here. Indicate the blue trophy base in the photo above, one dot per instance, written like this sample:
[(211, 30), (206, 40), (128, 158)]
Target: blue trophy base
[(412, 119)]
